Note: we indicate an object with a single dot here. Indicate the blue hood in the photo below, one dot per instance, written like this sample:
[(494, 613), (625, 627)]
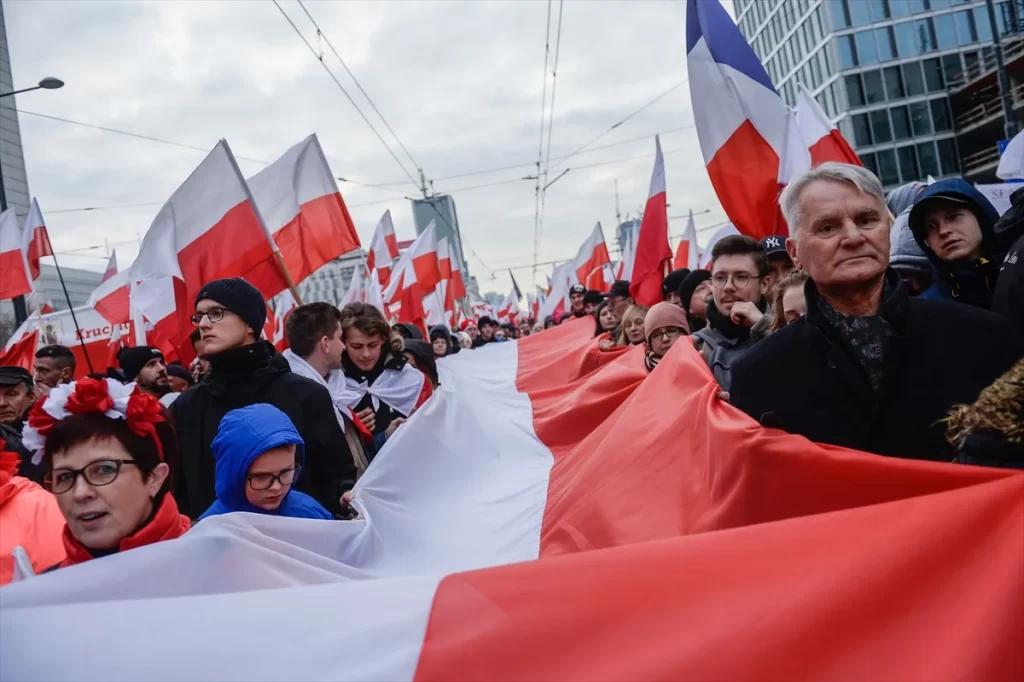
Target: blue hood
[(957, 188), (243, 435)]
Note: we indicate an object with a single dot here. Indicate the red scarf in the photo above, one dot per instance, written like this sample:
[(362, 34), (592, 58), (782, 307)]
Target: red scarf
[(166, 524)]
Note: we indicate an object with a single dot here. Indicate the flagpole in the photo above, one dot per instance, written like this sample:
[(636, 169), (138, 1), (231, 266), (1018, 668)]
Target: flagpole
[(71, 307)]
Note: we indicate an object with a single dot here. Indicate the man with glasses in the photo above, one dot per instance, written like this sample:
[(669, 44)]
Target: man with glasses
[(737, 314), (246, 370)]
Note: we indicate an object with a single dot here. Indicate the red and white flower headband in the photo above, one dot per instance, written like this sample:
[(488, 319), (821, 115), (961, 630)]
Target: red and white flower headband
[(115, 400)]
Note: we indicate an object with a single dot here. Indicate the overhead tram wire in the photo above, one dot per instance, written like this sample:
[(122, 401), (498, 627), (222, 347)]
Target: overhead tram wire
[(540, 143), (359, 85), (551, 122), (320, 59)]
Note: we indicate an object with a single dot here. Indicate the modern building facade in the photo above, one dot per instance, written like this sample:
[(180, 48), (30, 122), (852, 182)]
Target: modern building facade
[(880, 69), (12, 161), (331, 281)]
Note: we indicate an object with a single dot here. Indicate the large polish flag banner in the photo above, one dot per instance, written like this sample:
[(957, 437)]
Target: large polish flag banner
[(598, 504), (301, 206), (652, 250), (207, 230), (36, 239), (14, 277), (59, 328), (740, 118)]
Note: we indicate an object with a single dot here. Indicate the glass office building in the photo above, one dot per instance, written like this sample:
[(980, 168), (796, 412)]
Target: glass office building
[(879, 68)]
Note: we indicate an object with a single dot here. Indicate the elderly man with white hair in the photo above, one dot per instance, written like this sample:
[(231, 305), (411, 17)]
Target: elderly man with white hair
[(868, 367)]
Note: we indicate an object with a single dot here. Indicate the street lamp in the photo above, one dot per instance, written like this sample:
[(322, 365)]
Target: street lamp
[(48, 83)]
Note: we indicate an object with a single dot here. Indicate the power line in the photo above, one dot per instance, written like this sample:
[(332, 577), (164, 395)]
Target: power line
[(551, 123), (540, 143), (619, 123), (358, 85), (334, 78)]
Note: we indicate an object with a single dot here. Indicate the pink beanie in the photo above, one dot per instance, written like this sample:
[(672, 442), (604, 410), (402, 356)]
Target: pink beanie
[(663, 315)]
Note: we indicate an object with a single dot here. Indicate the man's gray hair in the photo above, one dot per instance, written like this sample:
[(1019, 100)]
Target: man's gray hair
[(858, 176)]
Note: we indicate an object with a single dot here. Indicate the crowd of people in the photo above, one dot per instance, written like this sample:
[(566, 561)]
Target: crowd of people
[(890, 325)]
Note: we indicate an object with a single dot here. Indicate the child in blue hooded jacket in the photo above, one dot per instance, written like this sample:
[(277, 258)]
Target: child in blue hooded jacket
[(259, 455)]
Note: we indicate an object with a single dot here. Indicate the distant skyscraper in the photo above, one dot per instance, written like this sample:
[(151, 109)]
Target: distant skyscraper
[(879, 68), (12, 161)]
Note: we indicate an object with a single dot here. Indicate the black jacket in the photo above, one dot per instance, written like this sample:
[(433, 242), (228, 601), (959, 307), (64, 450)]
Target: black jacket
[(801, 378), (246, 376), (11, 434), (1008, 298)]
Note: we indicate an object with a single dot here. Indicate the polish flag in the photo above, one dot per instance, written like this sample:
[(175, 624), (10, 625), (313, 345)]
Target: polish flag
[(602, 278), (364, 288), (21, 352), (302, 208), (811, 140), (562, 278), (592, 254), (114, 346), (652, 250), (723, 231), (111, 267), (46, 308), (36, 239), (14, 279), (687, 251), (508, 311), (489, 523), (89, 343), (458, 285), (383, 249), (284, 304), (418, 265), (740, 118), (111, 298), (209, 229)]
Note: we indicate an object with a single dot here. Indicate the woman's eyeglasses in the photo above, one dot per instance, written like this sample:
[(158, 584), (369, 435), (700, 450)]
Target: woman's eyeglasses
[(215, 315), (264, 481), (668, 333), (99, 473)]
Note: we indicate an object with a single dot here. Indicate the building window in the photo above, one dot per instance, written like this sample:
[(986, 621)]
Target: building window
[(900, 123), (879, 10), (941, 117), (847, 52), (894, 82), (945, 31), (816, 78), (888, 171), (933, 75), (906, 39), (913, 80), (860, 12), (965, 28), (951, 67), (861, 130), (880, 126), (866, 51), (920, 121), (941, 4), (982, 24), (873, 90), (869, 162), (824, 61), (831, 109), (886, 43), (909, 170), (970, 60), (817, 25), (919, 6), (855, 91), (948, 158), (928, 159), (1004, 18), (925, 35), (899, 8)]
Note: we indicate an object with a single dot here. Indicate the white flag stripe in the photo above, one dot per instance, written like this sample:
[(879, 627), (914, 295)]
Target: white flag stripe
[(298, 177)]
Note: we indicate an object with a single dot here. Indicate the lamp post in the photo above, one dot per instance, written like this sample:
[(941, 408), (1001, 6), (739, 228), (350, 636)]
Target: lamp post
[(49, 83)]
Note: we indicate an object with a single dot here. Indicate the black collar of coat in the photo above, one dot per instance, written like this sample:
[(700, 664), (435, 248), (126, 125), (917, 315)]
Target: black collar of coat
[(895, 305)]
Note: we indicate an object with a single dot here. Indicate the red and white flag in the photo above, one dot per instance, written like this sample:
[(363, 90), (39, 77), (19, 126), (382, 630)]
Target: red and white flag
[(21, 351), (811, 140), (209, 229), (720, 233), (652, 249), (111, 297), (14, 277), (383, 249), (487, 531), (687, 251), (302, 208), (89, 342), (592, 253), (37, 239), (418, 265), (111, 267), (284, 304), (602, 278)]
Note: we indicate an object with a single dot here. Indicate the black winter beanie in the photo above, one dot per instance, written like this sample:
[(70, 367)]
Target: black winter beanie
[(240, 297), (673, 281), (133, 359), (690, 284)]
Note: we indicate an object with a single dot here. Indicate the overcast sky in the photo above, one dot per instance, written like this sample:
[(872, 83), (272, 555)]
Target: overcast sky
[(460, 83)]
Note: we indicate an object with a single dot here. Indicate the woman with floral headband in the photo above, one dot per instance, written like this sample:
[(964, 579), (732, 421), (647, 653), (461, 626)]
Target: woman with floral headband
[(105, 446)]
